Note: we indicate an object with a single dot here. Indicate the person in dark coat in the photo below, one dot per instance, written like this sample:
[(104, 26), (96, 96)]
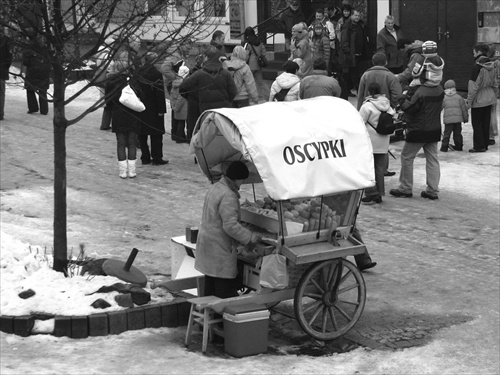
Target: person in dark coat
[(193, 109), (422, 108), (153, 118), (5, 61), (319, 84), (355, 53), (36, 81), (289, 18), (214, 84), (387, 42), (125, 123)]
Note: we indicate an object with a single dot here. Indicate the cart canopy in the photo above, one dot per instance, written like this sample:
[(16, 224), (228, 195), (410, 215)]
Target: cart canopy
[(297, 149)]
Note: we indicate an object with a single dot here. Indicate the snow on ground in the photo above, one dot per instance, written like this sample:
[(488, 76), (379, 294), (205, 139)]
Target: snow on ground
[(25, 267), (159, 351)]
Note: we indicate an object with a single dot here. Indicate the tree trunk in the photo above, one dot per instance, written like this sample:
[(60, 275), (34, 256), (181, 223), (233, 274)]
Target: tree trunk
[(60, 217)]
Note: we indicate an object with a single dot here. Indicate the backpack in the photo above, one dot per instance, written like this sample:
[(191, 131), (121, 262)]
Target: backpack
[(385, 124), (281, 95)]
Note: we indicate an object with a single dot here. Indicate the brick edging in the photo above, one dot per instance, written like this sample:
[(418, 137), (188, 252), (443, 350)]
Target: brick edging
[(164, 314)]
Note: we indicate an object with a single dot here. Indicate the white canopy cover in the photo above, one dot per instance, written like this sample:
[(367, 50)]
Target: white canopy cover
[(297, 149)]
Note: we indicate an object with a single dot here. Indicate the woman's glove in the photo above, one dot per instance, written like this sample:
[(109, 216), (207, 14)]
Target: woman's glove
[(255, 238)]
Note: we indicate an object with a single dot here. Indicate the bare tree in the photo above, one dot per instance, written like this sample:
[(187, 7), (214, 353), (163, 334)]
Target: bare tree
[(54, 29)]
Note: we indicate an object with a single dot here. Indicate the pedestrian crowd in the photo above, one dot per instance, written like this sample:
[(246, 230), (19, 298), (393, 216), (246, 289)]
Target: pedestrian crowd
[(330, 55)]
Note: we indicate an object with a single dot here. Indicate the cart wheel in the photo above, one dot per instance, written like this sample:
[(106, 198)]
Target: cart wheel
[(329, 299)]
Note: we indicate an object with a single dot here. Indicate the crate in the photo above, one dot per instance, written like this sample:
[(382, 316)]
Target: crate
[(251, 277)]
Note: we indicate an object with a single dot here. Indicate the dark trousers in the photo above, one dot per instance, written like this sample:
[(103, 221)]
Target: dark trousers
[(156, 147), (126, 143), (222, 288), (106, 118), (177, 131), (380, 164), (397, 70), (481, 118), (2, 98), (456, 129), (360, 259), (241, 103), (31, 96)]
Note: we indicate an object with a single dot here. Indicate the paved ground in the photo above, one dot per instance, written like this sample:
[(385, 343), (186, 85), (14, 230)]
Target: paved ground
[(438, 262)]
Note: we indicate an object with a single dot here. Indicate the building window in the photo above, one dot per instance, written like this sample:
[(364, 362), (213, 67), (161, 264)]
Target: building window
[(199, 9), (215, 8)]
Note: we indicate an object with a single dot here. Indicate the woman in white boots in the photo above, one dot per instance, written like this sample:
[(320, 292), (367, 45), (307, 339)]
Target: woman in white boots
[(125, 123)]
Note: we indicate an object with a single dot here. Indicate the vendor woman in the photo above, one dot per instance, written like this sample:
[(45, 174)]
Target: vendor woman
[(220, 233)]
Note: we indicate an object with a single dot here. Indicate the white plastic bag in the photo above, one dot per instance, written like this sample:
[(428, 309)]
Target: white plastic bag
[(273, 273), (130, 100)]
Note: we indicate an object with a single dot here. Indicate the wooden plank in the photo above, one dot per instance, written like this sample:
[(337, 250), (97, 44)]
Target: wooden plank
[(180, 284), (320, 251), (262, 299)]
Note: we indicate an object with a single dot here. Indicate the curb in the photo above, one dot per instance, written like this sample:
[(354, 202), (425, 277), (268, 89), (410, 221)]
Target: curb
[(164, 314)]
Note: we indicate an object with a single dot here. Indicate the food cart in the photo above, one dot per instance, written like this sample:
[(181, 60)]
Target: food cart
[(313, 158)]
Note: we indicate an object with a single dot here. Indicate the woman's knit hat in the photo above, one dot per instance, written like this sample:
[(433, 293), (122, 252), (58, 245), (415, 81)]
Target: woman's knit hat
[(449, 84), (237, 170)]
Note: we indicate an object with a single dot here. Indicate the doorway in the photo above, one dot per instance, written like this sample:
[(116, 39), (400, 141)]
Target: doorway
[(452, 25)]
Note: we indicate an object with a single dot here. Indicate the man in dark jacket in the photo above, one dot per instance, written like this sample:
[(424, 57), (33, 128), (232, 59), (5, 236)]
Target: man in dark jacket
[(319, 84), (355, 51), (37, 81), (289, 18), (379, 73), (5, 61), (152, 119), (389, 86), (214, 84), (422, 108), (387, 42)]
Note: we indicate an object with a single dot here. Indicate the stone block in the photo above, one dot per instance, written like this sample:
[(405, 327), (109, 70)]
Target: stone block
[(183, 307), (98, 325), (152, 316), (7, 323), (79, 327), (135, 318), (117, 321), (124, 300), (183, 310), (169, 314), (62, 326), (23, 325)]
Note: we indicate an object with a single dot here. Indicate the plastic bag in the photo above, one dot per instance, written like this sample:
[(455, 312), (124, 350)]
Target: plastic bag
[(130, 100), (273, 272)]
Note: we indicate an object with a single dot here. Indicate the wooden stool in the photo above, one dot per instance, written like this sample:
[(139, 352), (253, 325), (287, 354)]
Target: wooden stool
[(202, 314)]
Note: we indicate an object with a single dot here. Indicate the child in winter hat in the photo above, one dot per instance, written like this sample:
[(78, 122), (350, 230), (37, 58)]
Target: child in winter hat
[(454, 113), (428, 69)]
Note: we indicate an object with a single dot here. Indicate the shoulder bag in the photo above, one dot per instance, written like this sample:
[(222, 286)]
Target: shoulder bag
[(130, 99), (261, 60)]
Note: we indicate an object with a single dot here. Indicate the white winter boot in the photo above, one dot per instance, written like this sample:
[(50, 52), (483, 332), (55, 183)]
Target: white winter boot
[(123, 168), (131, 168)]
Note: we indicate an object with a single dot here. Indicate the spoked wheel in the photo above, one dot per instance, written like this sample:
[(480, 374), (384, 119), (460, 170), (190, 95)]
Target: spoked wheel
[(329, 299)]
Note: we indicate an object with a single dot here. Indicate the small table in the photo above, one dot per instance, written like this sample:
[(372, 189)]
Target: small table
[(179, 249)]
